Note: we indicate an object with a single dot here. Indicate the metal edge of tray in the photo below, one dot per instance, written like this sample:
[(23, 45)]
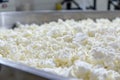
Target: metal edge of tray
[(31, 70), (39, 17), (0, 19)]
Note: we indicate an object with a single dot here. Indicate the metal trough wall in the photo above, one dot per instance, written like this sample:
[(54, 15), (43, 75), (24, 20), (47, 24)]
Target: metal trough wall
[(9, 18)]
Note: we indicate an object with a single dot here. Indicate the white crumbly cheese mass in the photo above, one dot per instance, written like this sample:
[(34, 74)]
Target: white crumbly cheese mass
[(84, 50)]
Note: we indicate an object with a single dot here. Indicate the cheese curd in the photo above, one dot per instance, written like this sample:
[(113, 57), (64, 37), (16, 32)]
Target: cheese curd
[(84, 50)]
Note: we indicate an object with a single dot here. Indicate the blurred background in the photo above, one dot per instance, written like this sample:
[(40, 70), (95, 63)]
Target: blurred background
[(28, 5)]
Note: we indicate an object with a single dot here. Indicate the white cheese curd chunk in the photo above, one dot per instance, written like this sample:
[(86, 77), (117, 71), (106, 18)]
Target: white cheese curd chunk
[(81, 70), (103, 74), (82, 50)]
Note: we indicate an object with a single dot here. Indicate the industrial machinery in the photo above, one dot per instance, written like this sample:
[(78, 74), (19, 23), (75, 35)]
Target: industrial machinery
[(114, 3), (70, 2)]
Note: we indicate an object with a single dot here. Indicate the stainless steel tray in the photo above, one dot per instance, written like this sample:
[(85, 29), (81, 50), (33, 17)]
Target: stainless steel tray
[(8, 19)]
